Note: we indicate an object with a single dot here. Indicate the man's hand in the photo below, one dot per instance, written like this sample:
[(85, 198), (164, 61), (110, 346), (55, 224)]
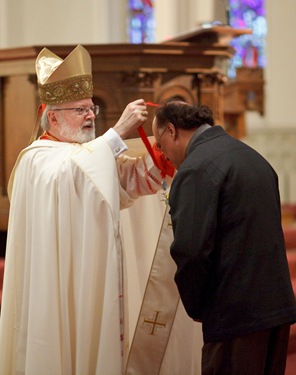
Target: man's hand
[(134, 115)]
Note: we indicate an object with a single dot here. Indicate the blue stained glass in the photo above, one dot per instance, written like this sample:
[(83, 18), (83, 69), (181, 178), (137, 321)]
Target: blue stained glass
[(141, 24), (250, 49), (136, 4)]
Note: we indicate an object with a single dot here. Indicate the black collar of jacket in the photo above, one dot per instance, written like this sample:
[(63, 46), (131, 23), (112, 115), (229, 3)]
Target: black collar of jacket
[(206, 135)]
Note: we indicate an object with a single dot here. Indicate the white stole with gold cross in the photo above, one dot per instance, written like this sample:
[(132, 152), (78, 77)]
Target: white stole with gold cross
[(158, 310)]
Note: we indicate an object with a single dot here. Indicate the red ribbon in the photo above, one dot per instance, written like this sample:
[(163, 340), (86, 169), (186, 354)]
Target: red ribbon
[(150, 104), (147, 144)]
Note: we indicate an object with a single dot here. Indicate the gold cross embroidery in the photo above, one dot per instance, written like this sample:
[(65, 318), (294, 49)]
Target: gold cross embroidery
[(155, 323)]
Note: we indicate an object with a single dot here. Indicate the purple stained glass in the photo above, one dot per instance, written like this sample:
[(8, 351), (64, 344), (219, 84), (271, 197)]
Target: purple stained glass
[(250, 49), (141, 24)]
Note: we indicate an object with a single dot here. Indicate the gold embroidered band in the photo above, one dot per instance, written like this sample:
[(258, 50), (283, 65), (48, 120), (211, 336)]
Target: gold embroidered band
[(67, 90)]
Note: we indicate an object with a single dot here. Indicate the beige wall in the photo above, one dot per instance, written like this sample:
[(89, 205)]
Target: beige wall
[(176, 16), (43, 22), (277, 145), (280, 74), (34, 22)]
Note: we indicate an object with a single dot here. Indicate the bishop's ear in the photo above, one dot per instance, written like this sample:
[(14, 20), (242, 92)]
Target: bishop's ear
[(52, 118)]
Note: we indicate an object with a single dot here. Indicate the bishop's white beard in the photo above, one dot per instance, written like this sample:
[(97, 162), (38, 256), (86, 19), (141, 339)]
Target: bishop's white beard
[(81, 135)]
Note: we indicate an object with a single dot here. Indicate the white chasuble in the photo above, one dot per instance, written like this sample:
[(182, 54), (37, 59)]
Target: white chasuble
[(64, 304), (61, 311)]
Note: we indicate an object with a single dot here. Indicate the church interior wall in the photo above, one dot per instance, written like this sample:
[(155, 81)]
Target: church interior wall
[(38, 22), (274, 134)]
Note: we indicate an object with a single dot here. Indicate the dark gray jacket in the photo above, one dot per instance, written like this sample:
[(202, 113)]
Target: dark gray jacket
[(232, 271)]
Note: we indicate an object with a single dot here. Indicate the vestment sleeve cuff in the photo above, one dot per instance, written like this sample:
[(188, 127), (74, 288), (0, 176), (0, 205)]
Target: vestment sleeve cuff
[(115, 142)]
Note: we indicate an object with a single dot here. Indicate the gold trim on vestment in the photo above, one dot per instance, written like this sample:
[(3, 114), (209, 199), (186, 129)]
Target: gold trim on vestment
[(158, 309)]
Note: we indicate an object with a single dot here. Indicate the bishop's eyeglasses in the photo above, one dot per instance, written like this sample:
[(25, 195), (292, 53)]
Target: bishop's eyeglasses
[(81, 111)]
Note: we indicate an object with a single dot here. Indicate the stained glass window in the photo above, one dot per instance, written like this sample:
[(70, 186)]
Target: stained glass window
[(141, 24), (250, 49)]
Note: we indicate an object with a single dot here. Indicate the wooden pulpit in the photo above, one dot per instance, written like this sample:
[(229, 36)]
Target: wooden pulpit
[(191, 67)]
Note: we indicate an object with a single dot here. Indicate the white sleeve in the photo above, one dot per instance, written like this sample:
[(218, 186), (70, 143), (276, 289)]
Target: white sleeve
[(138, 176), (115, 142)]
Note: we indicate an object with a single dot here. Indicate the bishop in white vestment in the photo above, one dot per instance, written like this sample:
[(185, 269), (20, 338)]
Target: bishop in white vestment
[(63, 304)]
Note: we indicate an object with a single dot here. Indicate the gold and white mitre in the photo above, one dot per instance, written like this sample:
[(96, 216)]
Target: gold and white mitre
[(61, 81)]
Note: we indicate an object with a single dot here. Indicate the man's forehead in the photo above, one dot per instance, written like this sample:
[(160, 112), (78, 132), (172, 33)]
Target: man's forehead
[(77, 103)]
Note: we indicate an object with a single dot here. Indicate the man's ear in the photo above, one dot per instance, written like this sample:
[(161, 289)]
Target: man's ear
[(172, 130)]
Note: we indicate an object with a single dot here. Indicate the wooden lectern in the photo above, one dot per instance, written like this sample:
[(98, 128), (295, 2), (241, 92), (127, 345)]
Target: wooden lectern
[(192, 67)]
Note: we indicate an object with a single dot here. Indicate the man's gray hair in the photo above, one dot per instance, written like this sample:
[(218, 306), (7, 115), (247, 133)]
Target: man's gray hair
[(44, 123)]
